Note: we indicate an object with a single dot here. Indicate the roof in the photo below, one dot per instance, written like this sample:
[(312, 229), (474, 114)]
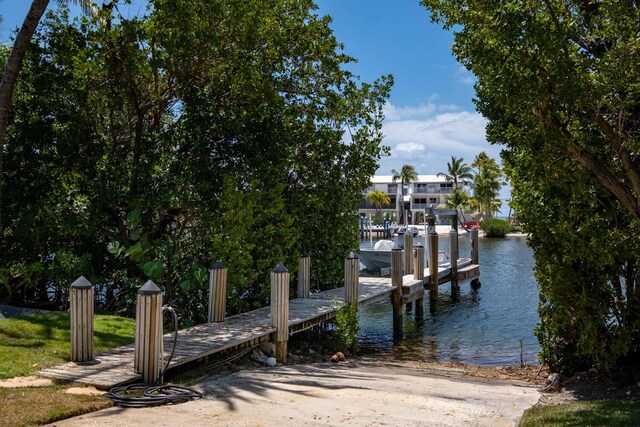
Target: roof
[(388, 179)]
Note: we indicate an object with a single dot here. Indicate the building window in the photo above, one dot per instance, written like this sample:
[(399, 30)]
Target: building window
[(446, 185), (433, 200), (420, 201), (421, 188), (392, 188)]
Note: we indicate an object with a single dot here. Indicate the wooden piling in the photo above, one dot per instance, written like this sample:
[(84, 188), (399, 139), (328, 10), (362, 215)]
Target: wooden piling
[(418, 274), (217, 293), (304, 276), (351, 278), (396, 296), (453, 258), (408, 252), (148, 340), (433, 271), (418, 266), (280, 310), (81, 298), (474, 246)]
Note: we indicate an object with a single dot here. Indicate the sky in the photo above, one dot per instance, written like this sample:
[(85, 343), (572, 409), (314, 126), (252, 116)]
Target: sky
[(430, 115)]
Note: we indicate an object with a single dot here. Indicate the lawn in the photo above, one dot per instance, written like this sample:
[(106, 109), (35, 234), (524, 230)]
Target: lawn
[(41, 340), (608, 412)]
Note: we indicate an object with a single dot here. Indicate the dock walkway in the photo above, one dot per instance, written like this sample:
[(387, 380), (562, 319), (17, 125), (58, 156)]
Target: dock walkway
[(115, 367)]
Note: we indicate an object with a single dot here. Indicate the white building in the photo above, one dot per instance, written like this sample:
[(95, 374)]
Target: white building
[(427, 190)]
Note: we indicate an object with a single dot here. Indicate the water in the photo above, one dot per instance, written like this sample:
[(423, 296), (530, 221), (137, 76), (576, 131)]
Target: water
[(485, 327)]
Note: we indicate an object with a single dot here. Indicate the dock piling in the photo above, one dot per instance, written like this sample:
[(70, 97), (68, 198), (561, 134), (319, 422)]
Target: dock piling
[(148, 340), (351, 278), (81, 297), (280, 310), (396, 296), (217, 293), (474, 246), (453, 258), (304, 275), (408, 253), (418, 274), (433, 271)]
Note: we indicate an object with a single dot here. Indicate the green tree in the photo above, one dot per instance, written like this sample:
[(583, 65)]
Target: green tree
[(154, 146), (486, 184), (406, 175), (557, 81), (457, 170), (13, 64), (458, 199), (379, 199)]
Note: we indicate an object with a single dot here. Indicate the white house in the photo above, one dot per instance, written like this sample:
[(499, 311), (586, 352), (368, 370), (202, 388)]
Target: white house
[(427, 190)]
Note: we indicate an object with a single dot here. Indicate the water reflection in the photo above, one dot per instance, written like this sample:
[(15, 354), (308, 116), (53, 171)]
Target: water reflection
[(484, 326)]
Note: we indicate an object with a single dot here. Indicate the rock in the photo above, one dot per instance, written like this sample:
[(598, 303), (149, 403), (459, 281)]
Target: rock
[(338, 357), (271, 362), (554, 380), (259, 356), (268, 348)]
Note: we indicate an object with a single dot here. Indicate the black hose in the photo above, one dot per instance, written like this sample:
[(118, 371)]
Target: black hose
[(143, 396)]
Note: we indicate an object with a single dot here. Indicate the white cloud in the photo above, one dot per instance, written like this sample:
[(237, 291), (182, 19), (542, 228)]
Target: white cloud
[(393, 112), (465, 76)]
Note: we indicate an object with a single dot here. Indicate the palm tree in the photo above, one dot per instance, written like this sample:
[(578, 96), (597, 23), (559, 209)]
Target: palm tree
[(457, 170), (406, 175), (379, 199), (486, 186), (458, 199), (14, 64)]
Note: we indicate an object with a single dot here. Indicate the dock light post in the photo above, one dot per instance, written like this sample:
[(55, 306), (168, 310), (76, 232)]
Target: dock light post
[(217, 292), (81, 297), (148, 343), (280, 309)]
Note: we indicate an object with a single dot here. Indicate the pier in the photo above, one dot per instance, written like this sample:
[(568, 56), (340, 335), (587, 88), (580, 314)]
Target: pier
[(276, 323)]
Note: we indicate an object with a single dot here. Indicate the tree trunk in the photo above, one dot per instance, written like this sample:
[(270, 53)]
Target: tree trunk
[(10, 74)]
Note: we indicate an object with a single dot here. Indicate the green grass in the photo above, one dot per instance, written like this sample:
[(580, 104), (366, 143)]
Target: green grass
[(43, 405), (609, 412), (41, 340)]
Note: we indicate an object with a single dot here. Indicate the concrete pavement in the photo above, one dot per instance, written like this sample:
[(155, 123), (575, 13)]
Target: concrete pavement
[(335, 395)]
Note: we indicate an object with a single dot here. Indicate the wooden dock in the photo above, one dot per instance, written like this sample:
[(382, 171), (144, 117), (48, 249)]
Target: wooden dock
[(115, 367)]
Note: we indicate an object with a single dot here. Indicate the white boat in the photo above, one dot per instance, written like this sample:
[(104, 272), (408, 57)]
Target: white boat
[(400, 231), (379, 257)]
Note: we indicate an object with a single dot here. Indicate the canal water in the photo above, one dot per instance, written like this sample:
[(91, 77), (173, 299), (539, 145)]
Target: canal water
[(490, 326)]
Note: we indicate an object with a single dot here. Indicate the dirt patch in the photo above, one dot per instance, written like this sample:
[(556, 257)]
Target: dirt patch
[(18, 382), (86, 391)]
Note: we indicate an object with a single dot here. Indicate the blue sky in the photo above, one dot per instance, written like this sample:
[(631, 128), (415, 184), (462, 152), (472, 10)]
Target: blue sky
[(430, 115)]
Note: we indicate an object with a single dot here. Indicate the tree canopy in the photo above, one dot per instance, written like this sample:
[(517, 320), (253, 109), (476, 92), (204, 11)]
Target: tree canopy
[(557, 81), (203, 131)]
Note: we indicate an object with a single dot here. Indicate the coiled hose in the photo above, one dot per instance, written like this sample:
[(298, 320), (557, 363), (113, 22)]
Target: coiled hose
[(142, 396)]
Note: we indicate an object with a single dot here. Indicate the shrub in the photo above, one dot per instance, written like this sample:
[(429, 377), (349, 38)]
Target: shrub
[(495, 227)]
